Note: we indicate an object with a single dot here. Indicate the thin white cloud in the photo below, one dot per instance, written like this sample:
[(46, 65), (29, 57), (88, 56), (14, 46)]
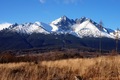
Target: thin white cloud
[(70, 1), (42, 1), (61, 1)]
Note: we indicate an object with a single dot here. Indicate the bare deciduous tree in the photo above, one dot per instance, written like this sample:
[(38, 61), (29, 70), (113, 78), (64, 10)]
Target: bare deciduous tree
[(100, 42), (117, 38)]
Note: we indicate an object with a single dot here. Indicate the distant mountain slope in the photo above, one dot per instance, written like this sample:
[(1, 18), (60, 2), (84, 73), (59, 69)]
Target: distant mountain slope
[(13, 41)]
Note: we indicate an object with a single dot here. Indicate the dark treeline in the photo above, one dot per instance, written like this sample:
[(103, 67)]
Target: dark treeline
[(35, 55)]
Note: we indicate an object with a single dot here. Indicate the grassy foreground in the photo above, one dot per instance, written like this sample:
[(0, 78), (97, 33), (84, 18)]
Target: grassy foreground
[(100, 68)]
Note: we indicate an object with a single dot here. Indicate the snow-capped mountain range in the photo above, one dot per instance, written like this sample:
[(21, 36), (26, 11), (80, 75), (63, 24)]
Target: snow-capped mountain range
[(83, 27)]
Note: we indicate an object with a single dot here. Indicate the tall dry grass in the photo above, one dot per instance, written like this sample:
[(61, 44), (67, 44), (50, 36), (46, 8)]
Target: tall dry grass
[(101, 68)]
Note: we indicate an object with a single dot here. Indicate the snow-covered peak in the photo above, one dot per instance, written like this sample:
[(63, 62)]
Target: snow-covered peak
[(63, 18), (62, 24), (29, 28), (88, 29), (4, 25)]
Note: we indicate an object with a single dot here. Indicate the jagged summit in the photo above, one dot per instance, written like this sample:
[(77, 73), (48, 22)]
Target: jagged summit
[(64, 18), (82, 19), (61, 19), (62, 24)]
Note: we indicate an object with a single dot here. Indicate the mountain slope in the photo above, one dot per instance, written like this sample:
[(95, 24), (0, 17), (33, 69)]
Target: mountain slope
[(12, 40)]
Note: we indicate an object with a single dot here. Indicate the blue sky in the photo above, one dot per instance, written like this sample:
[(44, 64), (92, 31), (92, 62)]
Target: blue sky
[(22, 11)]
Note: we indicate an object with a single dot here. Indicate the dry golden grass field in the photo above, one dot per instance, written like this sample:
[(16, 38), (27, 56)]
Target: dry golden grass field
[(99, 68)]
